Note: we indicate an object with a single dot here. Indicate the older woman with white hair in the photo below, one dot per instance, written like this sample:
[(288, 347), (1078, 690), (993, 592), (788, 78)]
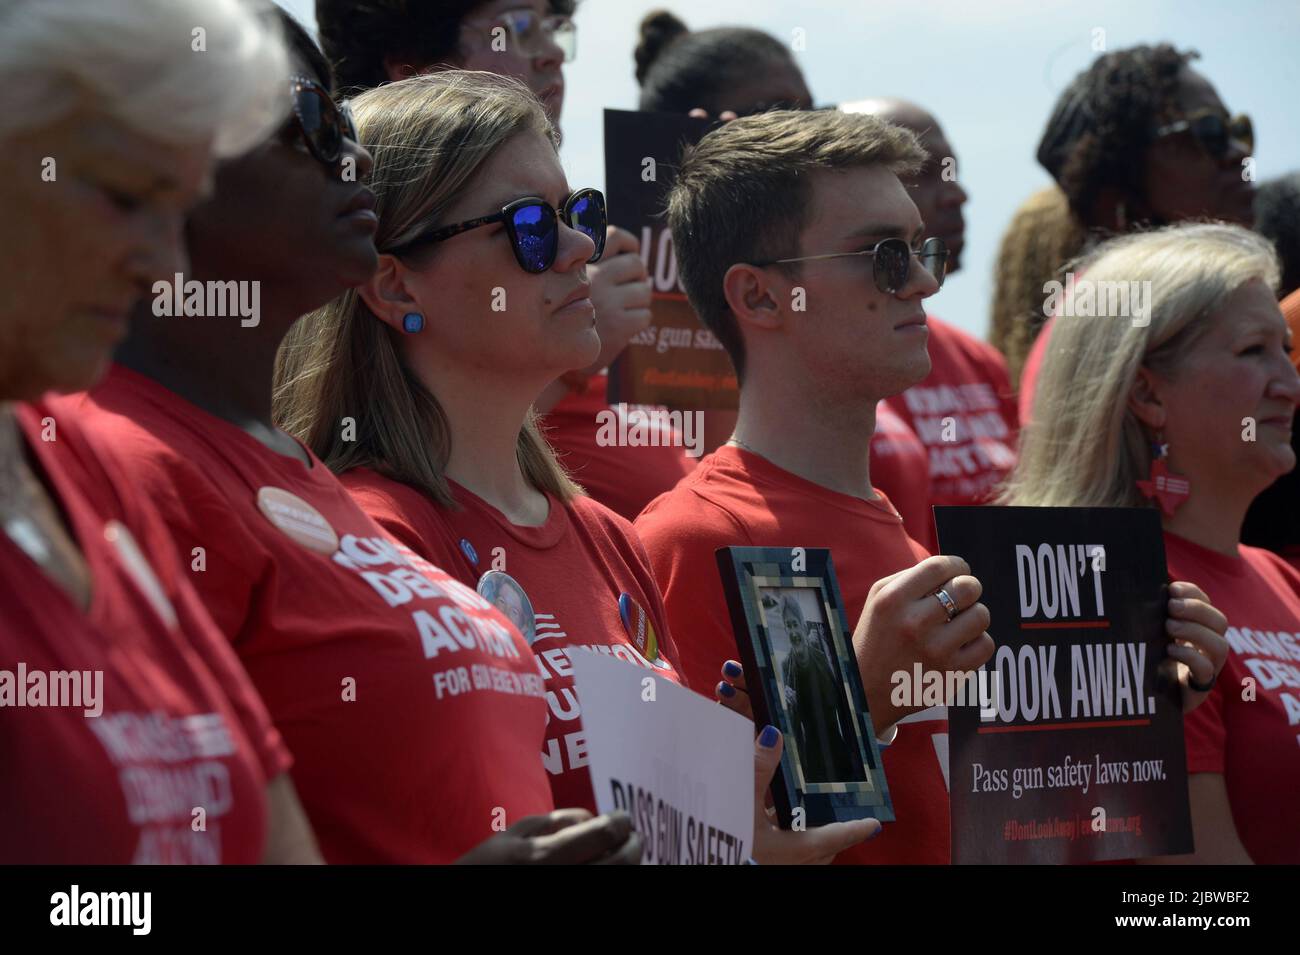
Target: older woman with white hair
[(134, 735), (1187, 404)]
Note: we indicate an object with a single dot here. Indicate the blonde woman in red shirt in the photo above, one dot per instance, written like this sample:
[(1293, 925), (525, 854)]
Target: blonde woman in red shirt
[(1189, 407)]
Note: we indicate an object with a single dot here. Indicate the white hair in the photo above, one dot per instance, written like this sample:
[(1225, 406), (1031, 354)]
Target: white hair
[(1084, 447), (179, 71)]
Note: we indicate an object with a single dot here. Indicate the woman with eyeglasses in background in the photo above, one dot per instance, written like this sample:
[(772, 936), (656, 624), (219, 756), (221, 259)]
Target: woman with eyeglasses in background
[(347, 638), (480, 298), (1142, 139), (130, 733)]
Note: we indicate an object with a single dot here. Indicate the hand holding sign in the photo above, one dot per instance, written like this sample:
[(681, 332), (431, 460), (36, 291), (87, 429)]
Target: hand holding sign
[(904, 623), (772, 844), (620, 291), (776, 846), (1200, 647), (563, 837)]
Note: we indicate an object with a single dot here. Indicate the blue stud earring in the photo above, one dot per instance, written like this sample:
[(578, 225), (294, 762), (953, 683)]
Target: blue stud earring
[(412, 323)]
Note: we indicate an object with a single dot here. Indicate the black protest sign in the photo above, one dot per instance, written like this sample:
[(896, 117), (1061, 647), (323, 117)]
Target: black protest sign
[(1069, 746), (675, 361)]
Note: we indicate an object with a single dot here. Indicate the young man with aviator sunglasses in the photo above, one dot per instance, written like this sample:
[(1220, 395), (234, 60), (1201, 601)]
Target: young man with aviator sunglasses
[(801, 250)]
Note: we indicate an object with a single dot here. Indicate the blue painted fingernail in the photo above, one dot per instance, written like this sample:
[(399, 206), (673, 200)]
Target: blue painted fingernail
[(727, 690), (767, 739), (732, 669)]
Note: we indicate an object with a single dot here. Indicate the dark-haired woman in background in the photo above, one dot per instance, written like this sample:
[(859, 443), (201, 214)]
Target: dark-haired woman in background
[(1142, 139), (724, 70)]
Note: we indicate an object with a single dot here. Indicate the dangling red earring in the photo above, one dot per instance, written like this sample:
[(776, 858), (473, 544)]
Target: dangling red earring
[(1168, 489)]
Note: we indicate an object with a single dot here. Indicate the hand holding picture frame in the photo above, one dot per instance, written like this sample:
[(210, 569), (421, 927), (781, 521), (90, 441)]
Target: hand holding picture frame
[(803, 679)]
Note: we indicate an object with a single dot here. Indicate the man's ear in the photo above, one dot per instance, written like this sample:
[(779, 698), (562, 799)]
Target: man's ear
[(1144, 399), (386, 294), (752, 296), (398, 69)]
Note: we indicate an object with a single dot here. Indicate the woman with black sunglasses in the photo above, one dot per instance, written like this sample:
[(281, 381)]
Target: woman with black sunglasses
[(1141, 139), (481, 298), (531, 41), (347, 639)]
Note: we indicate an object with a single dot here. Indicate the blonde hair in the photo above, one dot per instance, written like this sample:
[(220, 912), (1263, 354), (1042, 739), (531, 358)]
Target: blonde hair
[(136, 61), (430, 135), (1042, 236), (1084, 447)]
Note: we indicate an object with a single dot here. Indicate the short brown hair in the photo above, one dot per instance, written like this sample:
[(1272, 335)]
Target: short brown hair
[(742, 195)]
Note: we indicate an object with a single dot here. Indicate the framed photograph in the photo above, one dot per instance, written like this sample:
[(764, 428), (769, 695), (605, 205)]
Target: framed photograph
[(803, 679)]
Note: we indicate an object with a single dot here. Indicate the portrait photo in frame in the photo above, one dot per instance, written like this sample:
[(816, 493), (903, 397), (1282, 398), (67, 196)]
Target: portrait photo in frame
[(802, 675)]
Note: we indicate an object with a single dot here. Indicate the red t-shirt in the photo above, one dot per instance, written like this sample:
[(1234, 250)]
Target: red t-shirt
[(900, 468), (973, 452), (1254, 742), (1029, 373), (179, 728), (735, 498), (574, 569), (412, 708), (623, 477)]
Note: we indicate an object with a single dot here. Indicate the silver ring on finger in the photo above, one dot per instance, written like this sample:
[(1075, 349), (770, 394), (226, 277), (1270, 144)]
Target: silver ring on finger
[(949, 605)]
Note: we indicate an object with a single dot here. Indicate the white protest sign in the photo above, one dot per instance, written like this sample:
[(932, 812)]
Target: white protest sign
[(679, 764)]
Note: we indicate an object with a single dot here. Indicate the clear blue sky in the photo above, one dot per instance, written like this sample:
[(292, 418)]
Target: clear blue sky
[(990, 70)]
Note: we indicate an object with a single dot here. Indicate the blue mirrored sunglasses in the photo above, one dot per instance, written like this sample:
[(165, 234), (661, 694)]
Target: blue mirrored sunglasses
[(533, 227)]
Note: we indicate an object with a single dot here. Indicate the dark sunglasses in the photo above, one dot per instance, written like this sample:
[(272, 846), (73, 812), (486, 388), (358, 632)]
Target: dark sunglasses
[(322, 123), (534, 228), (1214, 131), (892, 261)]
